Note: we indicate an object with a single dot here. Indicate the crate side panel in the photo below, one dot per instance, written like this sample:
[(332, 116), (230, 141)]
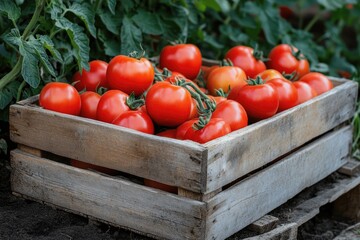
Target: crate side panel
[(250, 148), (172, 162), (255, 196), (114, 200)]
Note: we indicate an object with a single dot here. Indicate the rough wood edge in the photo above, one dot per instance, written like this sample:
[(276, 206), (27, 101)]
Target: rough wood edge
[(197, 196), (350, 168), (285, 231), (264, 224)]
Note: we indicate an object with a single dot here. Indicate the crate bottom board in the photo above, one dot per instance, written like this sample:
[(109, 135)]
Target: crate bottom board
[(133, 206)]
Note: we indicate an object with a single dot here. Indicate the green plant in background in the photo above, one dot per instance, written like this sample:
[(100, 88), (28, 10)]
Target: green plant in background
[(43, 40)]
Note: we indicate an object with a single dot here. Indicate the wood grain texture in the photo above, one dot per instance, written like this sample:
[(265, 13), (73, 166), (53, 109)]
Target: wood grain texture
[(173, 162), (250, 148), (350, 168), (264, 224), (283, 232), (117, 201), (255, 196)]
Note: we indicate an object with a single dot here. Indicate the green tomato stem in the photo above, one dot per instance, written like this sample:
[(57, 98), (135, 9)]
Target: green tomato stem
[(34, 19), (12, 75), (21, 87)]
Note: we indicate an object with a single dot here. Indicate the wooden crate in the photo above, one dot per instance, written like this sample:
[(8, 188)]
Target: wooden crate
[(223, 185)]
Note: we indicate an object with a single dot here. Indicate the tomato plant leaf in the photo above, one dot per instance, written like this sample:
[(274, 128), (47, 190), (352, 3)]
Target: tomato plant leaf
[(111, 5), (112, 47), (131, 37), (30, 65), (86, 14), (13, 37), (8, 93), (111, 22), (41, 55), (9, 8), (49, 45), (79, 41), (148, 22)]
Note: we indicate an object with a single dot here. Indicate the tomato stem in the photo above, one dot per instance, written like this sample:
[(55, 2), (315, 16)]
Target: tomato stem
[(226, 62), (257, 81), (259, 55)]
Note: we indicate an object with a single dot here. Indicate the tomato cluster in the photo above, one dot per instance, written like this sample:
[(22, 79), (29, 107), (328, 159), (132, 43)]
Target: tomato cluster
[(167, 101)]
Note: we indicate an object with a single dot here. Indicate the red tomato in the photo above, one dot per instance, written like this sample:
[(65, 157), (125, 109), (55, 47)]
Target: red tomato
[(183, 58), (60, 97), (243, 57), (93, 79), (207, 70), (269, 74), (84, 165), (260, 101), (232, 113), (288, 96), (215, 128), (161, 186), (136, 120), (224, 78), (111, 105), (305, 91), (284, 59), (89, 103), (286, 12), (168, 105), (319, 82), (130, 74), (170, 133), (182, 129), (193, 112)]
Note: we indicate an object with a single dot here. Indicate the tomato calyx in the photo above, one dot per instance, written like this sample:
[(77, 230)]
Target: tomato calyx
[(220, 92), (226, 62), (259, 55), (297, 53), (136, 54), (257, 81), (134, 103)]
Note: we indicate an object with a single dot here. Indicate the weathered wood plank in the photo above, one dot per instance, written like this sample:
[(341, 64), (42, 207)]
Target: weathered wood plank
[(250, 148), (286, 231), (117, 201), (348, 205), (350, 168), (173, 162), (255, 196), (264, 224)]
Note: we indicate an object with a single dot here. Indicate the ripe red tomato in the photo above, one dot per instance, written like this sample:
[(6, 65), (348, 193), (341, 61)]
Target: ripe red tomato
[(207, 70), (93, 79), (89, 103), (288, 96), (168, 105), (243, 57), (111, 105), (232, 113), (169, 133), (193, 112), (182, 129), (85, 165), (130, 74), (284, 59), (269, 74), (260, 101), (136, 120), (161, 186), (183, 58), (305, 91), (60, 97), (215, 128), (224, 78), (318, 81)]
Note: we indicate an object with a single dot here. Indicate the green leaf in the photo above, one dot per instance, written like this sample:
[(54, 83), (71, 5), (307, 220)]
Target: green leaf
[(111, 22), (111, 5), (13, 37), (131, 37), (86, 14), (49, 45), (41, 55), (8, 93), (9, 8), (112, 47), (30, 65), (334, 4), (3, 146), (148, 22), (79, 41)]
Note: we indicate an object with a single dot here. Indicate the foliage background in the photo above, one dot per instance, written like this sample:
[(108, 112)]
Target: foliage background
[(43, 40)]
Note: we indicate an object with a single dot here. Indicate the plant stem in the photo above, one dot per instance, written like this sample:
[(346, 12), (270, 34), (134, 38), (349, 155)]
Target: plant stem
[(313, 21), (34, 19), (21, 87), (10, 76)]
